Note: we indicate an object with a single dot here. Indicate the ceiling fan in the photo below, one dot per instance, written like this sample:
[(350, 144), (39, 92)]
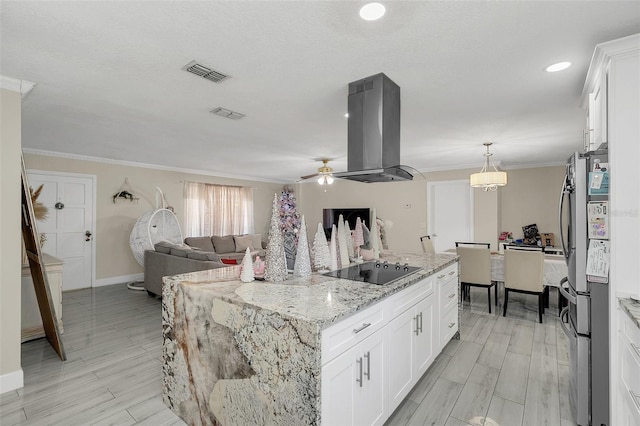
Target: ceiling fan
[(325, 174)]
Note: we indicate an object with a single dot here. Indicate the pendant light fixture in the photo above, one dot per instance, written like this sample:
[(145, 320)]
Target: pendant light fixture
[(487, 179)]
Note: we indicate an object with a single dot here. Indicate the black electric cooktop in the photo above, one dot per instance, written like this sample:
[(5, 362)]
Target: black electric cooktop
[(379, 273)]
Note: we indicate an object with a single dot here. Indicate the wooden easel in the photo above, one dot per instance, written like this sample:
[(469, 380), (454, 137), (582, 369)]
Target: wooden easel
[(36, 264)]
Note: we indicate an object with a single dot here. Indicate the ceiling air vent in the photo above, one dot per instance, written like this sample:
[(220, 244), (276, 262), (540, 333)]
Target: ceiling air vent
[(205, 72), (227, 113)]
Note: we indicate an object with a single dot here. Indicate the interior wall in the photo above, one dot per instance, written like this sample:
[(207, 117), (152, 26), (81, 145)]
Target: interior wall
[(115, 220), (532, 196), (10, 243), (529, 197)]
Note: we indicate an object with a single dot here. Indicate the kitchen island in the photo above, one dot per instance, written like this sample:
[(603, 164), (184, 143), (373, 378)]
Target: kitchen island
[(252, 353)]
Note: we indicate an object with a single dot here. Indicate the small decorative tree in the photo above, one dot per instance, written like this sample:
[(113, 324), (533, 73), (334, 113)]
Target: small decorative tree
[(349, 240), (358, 238), (289, 224), (375, 236), (275, 265), (302, 267), (343, 250), (321, 254), (246, 276), (333, 248)]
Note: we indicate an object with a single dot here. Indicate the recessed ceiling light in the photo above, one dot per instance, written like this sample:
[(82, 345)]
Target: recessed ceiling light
[(558, 67), (372, 11)]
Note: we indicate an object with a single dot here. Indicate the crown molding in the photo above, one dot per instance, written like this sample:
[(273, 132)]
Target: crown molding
[(20, 86), (498, 164), (602, 53), (46, 153)]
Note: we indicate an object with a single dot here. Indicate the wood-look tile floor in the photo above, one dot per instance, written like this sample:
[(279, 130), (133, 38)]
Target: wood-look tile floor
[(507, 371), (503, 371)]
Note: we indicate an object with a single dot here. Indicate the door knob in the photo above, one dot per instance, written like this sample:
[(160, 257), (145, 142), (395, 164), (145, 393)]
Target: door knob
[(88, 235)]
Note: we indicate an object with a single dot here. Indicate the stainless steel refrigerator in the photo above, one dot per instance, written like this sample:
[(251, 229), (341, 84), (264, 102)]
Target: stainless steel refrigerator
[(584, 234)]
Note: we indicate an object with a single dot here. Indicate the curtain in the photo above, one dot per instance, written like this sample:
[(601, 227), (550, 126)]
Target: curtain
[(217, 210)]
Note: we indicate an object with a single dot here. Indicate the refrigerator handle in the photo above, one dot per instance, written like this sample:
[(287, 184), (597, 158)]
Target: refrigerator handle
[(563, 192), (567, 295), (565, 325)]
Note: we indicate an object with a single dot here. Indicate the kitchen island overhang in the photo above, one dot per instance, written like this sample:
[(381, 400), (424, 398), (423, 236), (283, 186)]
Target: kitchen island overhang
[(250, 353)]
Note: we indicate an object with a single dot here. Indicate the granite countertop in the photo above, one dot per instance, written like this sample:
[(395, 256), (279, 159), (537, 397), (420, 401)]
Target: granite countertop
[(316, 299), (631, 308)]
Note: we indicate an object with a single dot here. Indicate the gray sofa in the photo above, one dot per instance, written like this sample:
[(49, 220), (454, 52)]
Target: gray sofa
[(197, 254), (229, 246), (158, 265)]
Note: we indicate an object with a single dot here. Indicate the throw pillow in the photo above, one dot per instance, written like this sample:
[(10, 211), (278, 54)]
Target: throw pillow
[(203, 255), (223, 244), (203, 243), (180, 251), (229, 261), (256, 241), (165, 247), (243, 242)]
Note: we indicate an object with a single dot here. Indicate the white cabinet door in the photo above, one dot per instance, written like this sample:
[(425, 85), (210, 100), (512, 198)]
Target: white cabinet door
[(427, 329), (370, 400), (598, 113), (402, 331), (338, 389)]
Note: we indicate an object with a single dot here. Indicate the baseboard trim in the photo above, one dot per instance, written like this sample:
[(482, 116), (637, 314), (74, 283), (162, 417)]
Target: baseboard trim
[(118, 280), (11, 381)]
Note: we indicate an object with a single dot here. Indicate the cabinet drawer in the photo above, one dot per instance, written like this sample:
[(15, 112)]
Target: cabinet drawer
[(630, 374), (448, 296), (400, 302), (448, 326), (630, 330), (341, 336), (446, 274)]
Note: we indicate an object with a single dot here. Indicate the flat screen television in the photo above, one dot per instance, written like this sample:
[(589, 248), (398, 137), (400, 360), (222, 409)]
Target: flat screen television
[(330, 217)]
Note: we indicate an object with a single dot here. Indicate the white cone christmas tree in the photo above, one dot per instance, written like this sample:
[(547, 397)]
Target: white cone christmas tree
[(343, 250), (321, 255), (375, 236), (333, 248), (358, 238), (302, 267), (246, 276), (349, 240), (275, 264)]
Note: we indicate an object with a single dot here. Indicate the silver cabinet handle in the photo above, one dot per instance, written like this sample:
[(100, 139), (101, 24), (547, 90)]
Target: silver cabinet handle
[(364, 325), (452, 295), (441, 276), (452, 272), (420, 316), (417, 330), (452, 324), (636, 398), (636, 348), (359, 361), (368, 373)]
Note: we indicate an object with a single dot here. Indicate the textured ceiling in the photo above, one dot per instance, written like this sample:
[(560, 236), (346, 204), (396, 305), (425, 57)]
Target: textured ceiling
[(110, 84)]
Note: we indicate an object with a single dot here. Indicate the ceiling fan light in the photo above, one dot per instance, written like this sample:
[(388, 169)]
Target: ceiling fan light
[(321, 180), (329, 179)]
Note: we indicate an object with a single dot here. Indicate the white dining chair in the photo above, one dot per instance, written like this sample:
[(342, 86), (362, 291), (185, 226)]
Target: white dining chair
[(475, 269), (524, 273), (427, 244)]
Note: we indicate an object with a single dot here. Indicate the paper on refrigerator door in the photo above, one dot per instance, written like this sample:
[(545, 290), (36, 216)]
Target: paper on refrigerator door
[(598, 219), (598, 258)]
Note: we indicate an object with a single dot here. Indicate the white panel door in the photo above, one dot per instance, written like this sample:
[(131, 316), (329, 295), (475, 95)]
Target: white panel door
[(69, 227), (424, 341), (450, 213), (338, 389), (371, 397), (402, 330)]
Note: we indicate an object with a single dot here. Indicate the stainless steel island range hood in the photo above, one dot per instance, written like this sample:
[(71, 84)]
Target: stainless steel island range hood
[(373, 143)]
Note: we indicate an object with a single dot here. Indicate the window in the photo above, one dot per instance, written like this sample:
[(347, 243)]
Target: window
[(217, 210)]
